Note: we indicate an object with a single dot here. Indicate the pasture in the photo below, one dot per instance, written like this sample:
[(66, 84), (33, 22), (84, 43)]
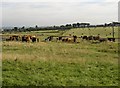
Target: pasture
[(59, 63)]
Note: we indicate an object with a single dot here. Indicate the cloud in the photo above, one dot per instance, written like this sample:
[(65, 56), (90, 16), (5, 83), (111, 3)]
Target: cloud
[(56, 13), (60, 0)]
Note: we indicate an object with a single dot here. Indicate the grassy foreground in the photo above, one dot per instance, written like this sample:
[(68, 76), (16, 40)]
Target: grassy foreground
[(60, 64)]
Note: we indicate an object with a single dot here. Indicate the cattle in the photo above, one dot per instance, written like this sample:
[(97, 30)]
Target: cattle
[(111, 39), (65, 39), (29, 38), (50, 38), (26, 38), (13, 38), (8, 39), (46, 39), (102, 40), (70, 39), (84, 37), (74, 38), (96, 38), (60, 38), (34, 39), (37, 39), (90, 38)]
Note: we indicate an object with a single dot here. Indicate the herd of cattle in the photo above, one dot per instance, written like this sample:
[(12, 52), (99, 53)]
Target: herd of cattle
[(25, 38), (29, 38), (98, 38), (74, 38)]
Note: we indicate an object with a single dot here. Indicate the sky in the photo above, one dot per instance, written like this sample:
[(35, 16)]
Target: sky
[(57, 12)]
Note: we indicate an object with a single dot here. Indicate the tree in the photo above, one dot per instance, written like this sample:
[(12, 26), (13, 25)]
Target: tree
[(68, 26), (23, 27), (74, 25), (36, 26), (87, 24), (15, 29), (78, 25), (83, 25)]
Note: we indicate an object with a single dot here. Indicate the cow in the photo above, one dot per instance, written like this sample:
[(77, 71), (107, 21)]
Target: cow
[(96, 37), (70, 39), (74, 38), (84, 37), (50, 38), (26, 38), (111, 39), (64, 39), (13, 38), (102, 40), (90, 37), (60, 38), (29, 38), (33, 38)]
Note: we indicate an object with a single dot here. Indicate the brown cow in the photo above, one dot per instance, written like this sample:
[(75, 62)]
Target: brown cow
[(26, 38), (70, 39)]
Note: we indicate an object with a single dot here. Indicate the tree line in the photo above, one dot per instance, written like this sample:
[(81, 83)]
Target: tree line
[(61, 27)]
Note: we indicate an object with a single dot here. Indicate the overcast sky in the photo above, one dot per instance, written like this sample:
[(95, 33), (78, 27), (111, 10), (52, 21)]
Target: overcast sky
[(57, 12)]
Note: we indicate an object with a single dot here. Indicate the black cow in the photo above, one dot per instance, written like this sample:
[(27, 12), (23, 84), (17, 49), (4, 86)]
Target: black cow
[(84, 37), (111, 39), (60, 38), (14, 38), (34, 39), (24, 39), (50, 38), (90, 38), (74, 38)]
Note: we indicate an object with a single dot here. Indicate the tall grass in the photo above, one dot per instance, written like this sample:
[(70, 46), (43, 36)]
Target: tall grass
[(60, 64)]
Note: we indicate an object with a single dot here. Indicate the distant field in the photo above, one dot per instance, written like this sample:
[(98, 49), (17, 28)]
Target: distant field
[(104, 32), (58, 63)]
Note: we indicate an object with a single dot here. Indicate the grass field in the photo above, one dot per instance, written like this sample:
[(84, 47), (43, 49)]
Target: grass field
[(104, 32), (60, 64)]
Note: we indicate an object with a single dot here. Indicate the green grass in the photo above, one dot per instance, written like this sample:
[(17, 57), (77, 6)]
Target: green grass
[(104, 32), (59, 74), (58, 63)]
